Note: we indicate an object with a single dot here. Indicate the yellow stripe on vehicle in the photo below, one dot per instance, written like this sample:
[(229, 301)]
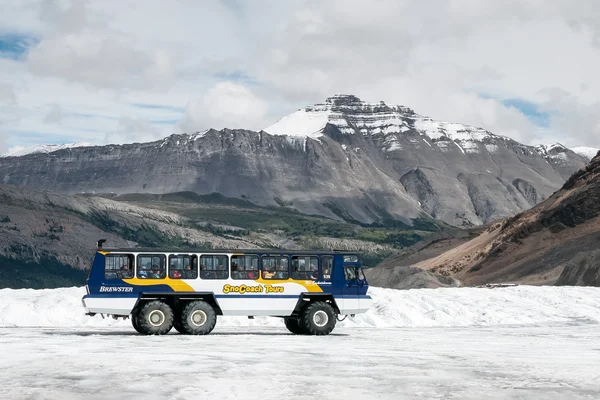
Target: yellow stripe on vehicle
[(310, 286), (176, 285)]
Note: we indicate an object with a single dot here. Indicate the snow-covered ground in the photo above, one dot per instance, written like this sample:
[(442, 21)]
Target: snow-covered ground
[(468, 343)]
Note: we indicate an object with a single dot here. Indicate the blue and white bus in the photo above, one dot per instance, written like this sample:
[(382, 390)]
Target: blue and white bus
[(187, 289)]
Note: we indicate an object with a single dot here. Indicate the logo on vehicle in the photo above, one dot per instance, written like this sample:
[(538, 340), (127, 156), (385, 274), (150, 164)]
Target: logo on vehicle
[(118, 289), (242, 289)]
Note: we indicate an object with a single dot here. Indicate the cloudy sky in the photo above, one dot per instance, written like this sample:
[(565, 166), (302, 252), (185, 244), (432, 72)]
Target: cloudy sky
[(119, 71)]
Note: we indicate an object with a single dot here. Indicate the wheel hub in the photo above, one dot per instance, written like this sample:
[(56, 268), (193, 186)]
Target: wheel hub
[(156, 318), (320, 318), (198, 318)]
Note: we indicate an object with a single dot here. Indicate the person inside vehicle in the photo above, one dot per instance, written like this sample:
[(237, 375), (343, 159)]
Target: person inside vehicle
[(188, 273), (126, 273)]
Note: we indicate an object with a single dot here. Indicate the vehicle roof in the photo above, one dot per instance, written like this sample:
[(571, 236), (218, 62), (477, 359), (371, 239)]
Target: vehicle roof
[(249, 251)]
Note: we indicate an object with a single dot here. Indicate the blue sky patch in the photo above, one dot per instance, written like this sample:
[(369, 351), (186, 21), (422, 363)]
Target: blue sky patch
[(14, 46), (530, 110)]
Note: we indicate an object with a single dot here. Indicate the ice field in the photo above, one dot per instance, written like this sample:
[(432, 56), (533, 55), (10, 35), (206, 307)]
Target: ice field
[(463, 343)]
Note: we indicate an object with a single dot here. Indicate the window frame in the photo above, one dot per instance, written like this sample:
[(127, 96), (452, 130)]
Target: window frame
[(352, 267), (159, 255), (227, 263), (354, 258), (192, 258), (130, 258), (322, 269), (276, 258), (236, 276), (308, 278)]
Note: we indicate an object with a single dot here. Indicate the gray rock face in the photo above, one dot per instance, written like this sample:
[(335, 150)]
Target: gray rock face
[(562, 159), (343, 159), (583, 270)]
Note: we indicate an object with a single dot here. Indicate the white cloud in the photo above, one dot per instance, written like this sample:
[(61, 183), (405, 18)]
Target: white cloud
[(130, 130), (55, 114), (226, 105), (445, 58), (449, 59), (100, 60), (3, 143)]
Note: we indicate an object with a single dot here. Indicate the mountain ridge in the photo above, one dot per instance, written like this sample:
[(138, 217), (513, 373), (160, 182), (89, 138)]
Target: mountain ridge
[(368, 163)]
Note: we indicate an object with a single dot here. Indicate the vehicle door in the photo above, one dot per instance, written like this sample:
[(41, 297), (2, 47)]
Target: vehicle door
[(351, 288)]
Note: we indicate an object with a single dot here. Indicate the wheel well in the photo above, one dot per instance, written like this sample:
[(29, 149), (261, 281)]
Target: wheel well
[(307, 298), (178, 300)]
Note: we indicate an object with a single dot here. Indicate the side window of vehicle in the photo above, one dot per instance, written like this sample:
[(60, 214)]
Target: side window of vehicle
[(360, 274), (183, 267), (214, 267), (118, 266), (244, 267), (327, 267), (305, 268), (350, 272), (151, 266), (275, 267)]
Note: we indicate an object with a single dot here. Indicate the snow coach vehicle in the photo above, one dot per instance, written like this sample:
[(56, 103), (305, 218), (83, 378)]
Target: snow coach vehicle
[(161, 289)]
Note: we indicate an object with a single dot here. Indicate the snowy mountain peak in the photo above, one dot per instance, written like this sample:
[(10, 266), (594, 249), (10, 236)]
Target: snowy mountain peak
[(43, 148), (586, 152), (351, 115)]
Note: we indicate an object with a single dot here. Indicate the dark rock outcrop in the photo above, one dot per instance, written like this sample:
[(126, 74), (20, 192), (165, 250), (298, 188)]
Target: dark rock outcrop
[(583, 270)]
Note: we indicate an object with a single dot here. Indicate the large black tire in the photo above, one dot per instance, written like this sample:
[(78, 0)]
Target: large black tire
[(177, 324), (177, 320), (198, 318), (292, 325), (155, 318), (317, 318), (134, 322)]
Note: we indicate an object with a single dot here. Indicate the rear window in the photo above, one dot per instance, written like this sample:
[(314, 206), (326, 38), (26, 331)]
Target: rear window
[(118, 266)]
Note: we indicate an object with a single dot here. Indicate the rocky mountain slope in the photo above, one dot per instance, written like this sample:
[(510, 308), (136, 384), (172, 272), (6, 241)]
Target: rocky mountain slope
[(45, 236), (344, 159), (47, 239), (555, 242)]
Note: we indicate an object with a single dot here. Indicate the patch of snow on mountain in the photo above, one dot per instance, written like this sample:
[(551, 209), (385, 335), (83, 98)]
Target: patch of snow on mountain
[(586, 152), (301, 123), (198, 135), (44, 148), (460, 132), (470, 146), (459, 147), (492, 148), (391, 144), (443, 145)]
